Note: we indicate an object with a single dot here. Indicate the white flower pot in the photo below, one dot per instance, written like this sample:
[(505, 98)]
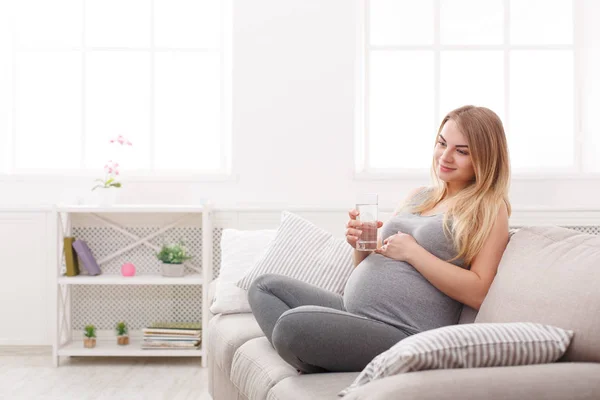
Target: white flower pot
[(106, 196), (174, 270)]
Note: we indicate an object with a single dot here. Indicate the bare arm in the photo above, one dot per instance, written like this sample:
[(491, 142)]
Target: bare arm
[(467, 286)]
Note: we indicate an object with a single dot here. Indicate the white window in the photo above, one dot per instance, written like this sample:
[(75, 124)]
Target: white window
[(82, 72), (420, 60)]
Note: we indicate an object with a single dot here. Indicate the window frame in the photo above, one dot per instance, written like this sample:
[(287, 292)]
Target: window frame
[(226, 172), (361, 168)]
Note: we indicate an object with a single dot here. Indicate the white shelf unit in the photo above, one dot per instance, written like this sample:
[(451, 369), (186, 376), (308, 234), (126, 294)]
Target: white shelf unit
[(106, 348), (191, 279), (66, 342)]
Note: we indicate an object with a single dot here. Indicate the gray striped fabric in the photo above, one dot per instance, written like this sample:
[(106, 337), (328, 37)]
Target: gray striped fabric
[(468, 346), (306, 252)]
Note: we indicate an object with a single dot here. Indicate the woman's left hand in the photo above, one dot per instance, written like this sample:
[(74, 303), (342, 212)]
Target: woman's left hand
[(398, 247)]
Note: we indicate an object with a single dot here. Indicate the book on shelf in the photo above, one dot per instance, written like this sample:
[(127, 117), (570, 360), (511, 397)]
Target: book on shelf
[(170, 346), (151, 331), (187, 343), (86, 256), (71, 260), (177, 325), (172, 335), (172, 338)]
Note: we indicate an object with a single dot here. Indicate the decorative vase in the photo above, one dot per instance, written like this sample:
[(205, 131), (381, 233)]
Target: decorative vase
[(128, 269), (122, 340), (172, 270), (106, 196), (89, 343)]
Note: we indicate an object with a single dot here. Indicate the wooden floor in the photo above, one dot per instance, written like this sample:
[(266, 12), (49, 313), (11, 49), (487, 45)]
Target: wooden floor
[(28, 373)]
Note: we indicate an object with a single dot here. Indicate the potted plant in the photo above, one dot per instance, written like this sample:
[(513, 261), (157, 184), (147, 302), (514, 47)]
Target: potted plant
[(122, 333), (172, 257), (107, 189), (89, 340)]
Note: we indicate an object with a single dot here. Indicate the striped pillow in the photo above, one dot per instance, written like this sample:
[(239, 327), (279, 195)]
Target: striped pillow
[(468, 346), (306, 252)]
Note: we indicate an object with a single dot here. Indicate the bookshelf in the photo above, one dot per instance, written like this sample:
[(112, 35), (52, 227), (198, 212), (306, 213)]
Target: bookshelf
[(122, 232)]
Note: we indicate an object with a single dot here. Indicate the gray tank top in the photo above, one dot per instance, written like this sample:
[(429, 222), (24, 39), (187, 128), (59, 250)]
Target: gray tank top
[(393, 291)]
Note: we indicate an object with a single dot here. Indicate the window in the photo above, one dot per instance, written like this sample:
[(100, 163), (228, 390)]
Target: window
[(82, 72), (423, 59)]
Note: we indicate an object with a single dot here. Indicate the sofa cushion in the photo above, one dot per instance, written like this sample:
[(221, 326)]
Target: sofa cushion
[(557, 381), (226, 333), (257, 368), (550, 275), (311, 386)]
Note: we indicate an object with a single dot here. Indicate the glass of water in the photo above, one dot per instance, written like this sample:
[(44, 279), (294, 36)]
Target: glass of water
[(366, 204)]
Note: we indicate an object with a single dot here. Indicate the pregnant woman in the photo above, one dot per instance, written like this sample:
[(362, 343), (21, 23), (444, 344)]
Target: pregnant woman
[(439, 250)]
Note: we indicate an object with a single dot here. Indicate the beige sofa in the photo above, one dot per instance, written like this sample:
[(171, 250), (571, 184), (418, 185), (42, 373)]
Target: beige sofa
[(547, 275)]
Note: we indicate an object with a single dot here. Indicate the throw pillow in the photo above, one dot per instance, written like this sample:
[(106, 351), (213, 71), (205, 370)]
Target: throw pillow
[(306, 252), (468, 346), (239, 252)]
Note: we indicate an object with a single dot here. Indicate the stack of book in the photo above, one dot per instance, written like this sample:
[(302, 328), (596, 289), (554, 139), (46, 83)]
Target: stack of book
[(172, 335)]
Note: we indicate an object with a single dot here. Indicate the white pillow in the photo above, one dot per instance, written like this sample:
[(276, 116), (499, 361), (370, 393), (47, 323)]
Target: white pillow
[(468, 346), (303, 251), (239, 252)]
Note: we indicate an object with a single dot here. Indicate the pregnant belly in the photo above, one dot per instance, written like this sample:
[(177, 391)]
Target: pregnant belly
[(394, 292)]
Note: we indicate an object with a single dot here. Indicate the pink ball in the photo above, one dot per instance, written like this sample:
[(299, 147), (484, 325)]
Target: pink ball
[(128, 269)]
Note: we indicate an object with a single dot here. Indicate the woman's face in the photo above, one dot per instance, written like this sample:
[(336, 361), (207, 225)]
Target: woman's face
[(451, 151)]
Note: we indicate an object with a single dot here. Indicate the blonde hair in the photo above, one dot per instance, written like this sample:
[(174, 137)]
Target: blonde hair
[(475, 208)]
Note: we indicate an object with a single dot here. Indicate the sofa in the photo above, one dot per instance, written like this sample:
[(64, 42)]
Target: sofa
[(548, 274)]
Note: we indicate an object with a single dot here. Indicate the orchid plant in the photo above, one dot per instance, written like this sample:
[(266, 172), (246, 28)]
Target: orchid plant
[(111, 169)]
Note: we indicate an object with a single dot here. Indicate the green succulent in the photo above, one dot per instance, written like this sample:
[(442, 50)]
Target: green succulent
[(173, 254), (90, 331), (121, 328)]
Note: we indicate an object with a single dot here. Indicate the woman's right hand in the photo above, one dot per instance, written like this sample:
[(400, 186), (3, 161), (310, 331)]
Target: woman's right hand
[(353, 231)]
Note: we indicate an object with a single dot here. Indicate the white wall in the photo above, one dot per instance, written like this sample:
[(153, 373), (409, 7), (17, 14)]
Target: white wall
[(293, 122), (293, 105)]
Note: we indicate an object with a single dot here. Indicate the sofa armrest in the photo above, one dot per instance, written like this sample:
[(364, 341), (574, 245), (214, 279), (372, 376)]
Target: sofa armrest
[(574, 381), (212, 289)]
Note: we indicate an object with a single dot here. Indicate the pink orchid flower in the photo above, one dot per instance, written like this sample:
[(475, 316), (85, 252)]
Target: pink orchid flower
[(121, 139)]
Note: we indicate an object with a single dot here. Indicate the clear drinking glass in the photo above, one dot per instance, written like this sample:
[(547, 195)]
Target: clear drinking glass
[(366, 204)]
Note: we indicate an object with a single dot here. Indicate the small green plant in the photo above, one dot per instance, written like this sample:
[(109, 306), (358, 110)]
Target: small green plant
[(90, 331), (121, 328), (173, 254)]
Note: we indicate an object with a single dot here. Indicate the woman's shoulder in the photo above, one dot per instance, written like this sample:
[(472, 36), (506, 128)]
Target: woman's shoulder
[(413, 197), (417, 191)]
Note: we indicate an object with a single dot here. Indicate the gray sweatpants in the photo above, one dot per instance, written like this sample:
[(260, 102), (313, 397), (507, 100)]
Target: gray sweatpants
[(310, 329)]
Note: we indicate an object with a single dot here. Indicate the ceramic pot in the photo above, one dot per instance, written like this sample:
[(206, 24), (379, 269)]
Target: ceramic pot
[(106, 196), (172, 270)]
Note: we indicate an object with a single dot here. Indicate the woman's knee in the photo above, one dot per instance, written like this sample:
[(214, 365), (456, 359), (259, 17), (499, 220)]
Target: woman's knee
[(261, 284), (289, 328), (291, 339)]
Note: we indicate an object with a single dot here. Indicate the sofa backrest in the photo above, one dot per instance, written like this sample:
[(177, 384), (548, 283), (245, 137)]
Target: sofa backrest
[(550, 275)]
